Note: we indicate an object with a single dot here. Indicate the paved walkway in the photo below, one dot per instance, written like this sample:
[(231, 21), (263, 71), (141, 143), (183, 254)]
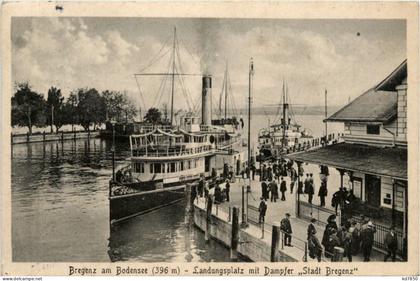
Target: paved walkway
[(276, 212)]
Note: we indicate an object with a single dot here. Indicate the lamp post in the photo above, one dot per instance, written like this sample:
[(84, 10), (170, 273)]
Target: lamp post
[(113, 149)]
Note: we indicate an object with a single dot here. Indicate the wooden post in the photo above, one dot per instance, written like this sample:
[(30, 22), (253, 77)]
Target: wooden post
[(62, 136), (275, 240), (243, 223), (27, 137), (235, 234), (188, 207), (43, 136), (208, 218)]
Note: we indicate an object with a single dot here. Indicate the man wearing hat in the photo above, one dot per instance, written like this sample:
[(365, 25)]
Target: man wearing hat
[(391, 243), (227, 190), (314, 247), (311, 227), (367, 237), (262, 209), (286, 227)]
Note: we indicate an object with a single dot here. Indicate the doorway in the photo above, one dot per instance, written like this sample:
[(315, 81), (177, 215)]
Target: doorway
[(373, 190)]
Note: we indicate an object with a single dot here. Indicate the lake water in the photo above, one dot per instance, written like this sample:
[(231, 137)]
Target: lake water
[(60, 208)]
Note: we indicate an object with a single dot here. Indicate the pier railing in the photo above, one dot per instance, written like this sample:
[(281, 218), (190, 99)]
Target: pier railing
[(59, 136)]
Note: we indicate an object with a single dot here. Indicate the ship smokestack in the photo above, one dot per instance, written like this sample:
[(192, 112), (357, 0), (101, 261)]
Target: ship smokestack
[(206, 101)]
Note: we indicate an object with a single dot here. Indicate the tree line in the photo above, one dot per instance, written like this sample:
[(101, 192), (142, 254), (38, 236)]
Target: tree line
[(84, 106)]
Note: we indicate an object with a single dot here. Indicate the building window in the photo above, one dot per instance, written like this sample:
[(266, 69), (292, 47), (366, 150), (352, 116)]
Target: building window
[(151, 168), (157, 168), (172, 167), (373, 129), (139, 167)]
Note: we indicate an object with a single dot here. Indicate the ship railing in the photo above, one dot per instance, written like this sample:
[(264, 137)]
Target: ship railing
[(167, 153), (227, 142), (150, 128)]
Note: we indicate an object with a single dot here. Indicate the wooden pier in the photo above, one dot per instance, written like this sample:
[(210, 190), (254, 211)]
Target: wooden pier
[(45, 137)]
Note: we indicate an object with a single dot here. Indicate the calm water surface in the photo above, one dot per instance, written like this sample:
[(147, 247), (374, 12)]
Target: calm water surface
[(60, 209)]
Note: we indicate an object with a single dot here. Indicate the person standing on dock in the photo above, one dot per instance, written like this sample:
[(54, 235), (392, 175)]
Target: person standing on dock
[(310, 190), (391, 244), (307, 183), (253, 171), (367, 237), (322, 193), (262, 210), (283, 189), (274, 191), (227, 191), (264, 190), (270, 173), (286, 227), (293, 177), (314, 247)]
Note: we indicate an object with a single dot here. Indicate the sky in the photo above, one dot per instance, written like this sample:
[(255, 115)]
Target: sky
[(346, 57)]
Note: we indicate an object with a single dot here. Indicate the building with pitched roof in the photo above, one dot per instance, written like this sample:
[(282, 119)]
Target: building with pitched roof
[(373, 155)]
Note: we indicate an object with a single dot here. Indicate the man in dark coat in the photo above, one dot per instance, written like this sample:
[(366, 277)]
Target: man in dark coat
[(391, 243), (329, 228), (322, 193), (367, 237), (311, 227), (227, 190), (264, 190), (310, 191), (217, 195), (314, 247), (293, 177), (262, 210), (283, 189), (274, 191), (300, 187), (286, 228), (270, 173), (253, 171), (307, 183)]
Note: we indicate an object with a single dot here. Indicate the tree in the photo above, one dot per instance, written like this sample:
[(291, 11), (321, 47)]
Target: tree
[(90, 108), (128, 109), (54, 109), (27, 107), (118, 106), (70, 112), (153, 116)]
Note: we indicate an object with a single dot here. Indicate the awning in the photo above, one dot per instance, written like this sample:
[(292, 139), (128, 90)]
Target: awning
[(390, 161)]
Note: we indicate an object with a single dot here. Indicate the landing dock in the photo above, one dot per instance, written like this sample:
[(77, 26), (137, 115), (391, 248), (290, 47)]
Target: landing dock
[(257, 242)]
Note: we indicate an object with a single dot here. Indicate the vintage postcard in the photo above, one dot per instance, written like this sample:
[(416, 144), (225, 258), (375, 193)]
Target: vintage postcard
[(220, 138)]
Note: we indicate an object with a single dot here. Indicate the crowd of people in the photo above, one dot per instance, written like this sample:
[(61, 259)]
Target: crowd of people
[(350, 238)]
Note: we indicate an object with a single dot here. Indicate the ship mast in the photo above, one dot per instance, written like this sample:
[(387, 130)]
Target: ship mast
[(251, 74), (171, 72), (284, 118), (173, 78), (226, 75)]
